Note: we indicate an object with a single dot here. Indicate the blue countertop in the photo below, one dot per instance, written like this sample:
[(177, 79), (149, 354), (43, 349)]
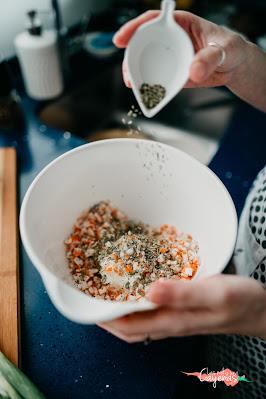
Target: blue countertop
[(67, 360)]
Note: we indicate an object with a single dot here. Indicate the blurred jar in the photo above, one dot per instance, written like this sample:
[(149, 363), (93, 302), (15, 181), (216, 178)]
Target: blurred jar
[(11, 116)]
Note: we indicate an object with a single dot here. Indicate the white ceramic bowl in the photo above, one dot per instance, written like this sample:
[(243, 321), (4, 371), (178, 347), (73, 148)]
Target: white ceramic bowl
[(149, 181)]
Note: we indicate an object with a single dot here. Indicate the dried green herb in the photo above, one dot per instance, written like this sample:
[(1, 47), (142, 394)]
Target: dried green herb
[(152, 95)]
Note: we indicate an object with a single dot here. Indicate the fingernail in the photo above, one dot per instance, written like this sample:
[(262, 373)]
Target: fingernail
[(199, 70), (154, 294), (148, 295), (128, 84), (115, 36)]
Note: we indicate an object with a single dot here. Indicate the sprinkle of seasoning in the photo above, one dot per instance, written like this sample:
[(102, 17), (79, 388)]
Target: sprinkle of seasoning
[(152, 95), (113, 258)]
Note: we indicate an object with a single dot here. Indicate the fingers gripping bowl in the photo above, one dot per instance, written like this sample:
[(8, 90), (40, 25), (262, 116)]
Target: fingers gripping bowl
[(149, 182)]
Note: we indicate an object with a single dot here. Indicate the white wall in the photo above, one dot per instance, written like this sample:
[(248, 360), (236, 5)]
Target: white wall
[(12, 16)]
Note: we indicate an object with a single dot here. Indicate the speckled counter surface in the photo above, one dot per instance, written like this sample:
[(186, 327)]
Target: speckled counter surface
[(67, 360)]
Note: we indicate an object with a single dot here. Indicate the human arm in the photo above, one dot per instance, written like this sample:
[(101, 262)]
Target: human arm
[(244, 68), (224, 304)]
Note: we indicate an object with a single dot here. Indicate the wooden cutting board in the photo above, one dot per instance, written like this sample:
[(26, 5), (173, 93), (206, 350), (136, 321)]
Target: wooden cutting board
[(9, 277)]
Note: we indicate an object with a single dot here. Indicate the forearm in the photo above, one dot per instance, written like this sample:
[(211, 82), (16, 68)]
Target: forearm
[(249, 80), (261, 331), (255, 324)]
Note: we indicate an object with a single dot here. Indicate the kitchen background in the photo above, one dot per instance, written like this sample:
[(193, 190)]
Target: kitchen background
[(93, 101), (248, 18), (79, 96)]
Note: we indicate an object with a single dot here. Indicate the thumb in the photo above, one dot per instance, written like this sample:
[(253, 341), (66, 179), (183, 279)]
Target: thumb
[(205, 63), (169, 292)]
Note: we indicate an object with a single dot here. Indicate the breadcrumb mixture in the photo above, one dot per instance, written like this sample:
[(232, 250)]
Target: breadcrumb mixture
[(113, 258)]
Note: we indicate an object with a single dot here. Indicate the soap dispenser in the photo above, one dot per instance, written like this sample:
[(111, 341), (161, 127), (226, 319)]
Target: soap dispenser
[(37, 51)]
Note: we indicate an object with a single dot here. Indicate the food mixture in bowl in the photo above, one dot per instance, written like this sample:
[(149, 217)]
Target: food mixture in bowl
[(114, 258)]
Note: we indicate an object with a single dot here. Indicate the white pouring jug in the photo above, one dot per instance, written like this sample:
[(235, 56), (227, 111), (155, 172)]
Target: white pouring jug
[(160, 52)]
